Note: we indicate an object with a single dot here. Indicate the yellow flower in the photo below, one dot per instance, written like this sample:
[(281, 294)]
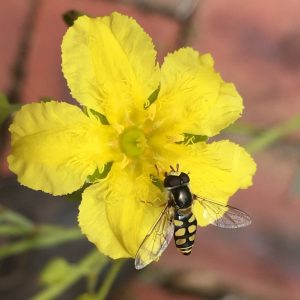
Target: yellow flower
[(135, 115)]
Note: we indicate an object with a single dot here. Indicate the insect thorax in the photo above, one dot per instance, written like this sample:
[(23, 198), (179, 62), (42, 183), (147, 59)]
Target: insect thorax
[(181, 197)]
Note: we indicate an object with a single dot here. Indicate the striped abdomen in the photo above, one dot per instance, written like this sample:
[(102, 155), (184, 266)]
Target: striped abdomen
[(185, 231)]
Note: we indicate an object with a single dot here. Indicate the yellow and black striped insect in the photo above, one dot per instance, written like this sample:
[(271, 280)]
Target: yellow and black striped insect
[(178, 221)]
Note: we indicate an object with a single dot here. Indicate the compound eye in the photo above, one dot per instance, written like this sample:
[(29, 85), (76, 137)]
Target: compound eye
[(171, 181), (184, 178)]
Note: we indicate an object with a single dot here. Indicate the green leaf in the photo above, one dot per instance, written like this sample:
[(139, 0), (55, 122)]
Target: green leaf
[(110, 278), (44, 236), (14, 224), (13, 230), (55, 271), (6, 108), (82, 268), (8, 216)]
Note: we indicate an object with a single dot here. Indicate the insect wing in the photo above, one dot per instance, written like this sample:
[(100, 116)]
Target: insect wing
[(224, 216), (157, 240)]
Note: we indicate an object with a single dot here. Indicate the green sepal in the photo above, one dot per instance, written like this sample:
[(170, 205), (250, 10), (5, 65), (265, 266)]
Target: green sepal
[(152, 98), (96, 114), (190, 139), (85, 110), (77, 195), (97, 175), (46, 99), (100, 117), (6, 108)]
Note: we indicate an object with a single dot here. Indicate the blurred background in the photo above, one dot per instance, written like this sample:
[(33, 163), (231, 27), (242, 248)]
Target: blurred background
[(256, 45)]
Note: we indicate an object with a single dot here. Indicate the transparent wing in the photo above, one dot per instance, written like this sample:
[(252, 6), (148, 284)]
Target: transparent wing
[(224, 216), (157, 240)]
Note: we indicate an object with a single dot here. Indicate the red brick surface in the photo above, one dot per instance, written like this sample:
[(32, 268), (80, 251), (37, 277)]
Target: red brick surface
[(271, 193), (141, 289), (178, 8), (12, 20), (3, 161), (256, 44)]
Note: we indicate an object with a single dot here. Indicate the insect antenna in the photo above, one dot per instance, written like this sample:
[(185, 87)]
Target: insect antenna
[(157, 170), (172, 169)]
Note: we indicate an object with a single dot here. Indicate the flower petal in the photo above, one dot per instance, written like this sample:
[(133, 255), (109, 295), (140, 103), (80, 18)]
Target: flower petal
[(217, 171), (55, 146), (94, 222), (117, 213), (193, 94), (109, 64)]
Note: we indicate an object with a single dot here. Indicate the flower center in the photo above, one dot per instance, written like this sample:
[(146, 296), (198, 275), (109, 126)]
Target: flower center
[(132, 141)]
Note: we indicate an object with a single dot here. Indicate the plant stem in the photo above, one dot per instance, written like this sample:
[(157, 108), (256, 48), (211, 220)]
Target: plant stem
[(10, 230), (243, 129), (110, 278), (44, 236), (81, 269), (272, 135), (9, 216)]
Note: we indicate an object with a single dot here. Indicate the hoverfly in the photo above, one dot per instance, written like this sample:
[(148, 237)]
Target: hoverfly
[(178, 221)]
